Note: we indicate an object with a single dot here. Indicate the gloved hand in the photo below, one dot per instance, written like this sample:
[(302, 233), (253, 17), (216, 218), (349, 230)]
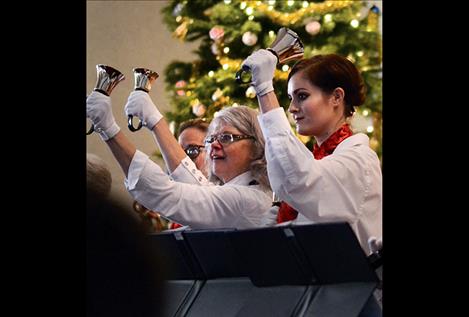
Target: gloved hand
[(99, 110), (262, 64), (140, 105), (375, 244)]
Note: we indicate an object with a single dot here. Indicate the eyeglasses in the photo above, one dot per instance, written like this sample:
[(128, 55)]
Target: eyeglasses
[(193, 150), (226, 138)]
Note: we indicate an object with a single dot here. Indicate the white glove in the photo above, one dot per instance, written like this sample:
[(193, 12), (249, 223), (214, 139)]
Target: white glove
[(99, 110), (140, 105), (262, 64), (375, 244)]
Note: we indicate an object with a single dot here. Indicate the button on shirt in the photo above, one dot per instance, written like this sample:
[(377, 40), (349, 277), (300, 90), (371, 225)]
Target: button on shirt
[(344, 186), (233, 205), (187, 172)]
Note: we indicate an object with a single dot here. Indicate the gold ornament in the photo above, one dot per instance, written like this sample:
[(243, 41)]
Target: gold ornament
[(181, 30), (374, 144), (297, 16), (217, 94), (198, 108)]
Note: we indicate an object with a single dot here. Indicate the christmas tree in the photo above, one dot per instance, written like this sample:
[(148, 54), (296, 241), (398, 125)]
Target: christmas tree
[(231, 30)]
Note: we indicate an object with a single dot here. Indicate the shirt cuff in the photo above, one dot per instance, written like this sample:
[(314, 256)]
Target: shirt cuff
[(135, 169), (187, 172), (274, 122)]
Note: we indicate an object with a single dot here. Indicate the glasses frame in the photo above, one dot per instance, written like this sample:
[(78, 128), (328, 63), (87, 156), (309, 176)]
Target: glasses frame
[(232, 138)]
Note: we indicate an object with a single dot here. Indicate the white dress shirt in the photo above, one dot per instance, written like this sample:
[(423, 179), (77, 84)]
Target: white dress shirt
[(344, 186), (187, 172), (236, 204)]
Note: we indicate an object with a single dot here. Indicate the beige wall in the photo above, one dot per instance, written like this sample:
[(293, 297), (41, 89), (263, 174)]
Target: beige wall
[(125, 35)]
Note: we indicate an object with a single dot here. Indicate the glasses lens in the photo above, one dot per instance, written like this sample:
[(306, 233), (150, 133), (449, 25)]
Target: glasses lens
[(225, 138), (192, 152)]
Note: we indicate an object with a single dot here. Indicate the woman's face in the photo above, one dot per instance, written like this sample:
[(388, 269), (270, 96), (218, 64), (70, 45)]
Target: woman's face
[(230, 159), (313, 110)]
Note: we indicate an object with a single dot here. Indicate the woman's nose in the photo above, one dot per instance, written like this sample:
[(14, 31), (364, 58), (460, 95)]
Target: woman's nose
[(216, 145), (292, 108)]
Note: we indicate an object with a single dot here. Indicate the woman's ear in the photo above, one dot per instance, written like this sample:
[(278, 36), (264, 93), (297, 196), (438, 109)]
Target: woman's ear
[(338, 96)]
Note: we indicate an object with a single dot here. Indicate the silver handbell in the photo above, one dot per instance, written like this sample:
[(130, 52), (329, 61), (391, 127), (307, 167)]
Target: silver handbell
[(286, 46), (143, 80), (107, 79)]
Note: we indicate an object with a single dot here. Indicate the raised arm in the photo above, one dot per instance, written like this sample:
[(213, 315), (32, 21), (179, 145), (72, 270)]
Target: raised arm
[(99, 110), (141, 105), (262, 64)]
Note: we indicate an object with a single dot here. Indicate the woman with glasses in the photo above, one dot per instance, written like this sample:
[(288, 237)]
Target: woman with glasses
[(240, 196), (191, 136), (341, 179)]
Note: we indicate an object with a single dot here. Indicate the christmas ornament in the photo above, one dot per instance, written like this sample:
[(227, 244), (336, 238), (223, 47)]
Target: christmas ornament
[(363, 13), (249, 38), (178, 9), (198, 108), (373, 19), (217, 94), (313, 27), (360, 123), (216, 33), (374, 9), (215, 49), (181, 30), (180, 84), (374, 143)]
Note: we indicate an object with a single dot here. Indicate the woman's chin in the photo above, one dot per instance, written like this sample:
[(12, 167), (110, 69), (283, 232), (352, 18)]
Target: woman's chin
[(302, 130), (218, 170)]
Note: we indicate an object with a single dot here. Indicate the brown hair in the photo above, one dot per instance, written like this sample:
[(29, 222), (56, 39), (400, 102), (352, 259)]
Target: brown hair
[(201, 124), (331, 71)]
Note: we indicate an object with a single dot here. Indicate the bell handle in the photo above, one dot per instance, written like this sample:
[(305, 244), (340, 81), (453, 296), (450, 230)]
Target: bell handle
[(131, 126)]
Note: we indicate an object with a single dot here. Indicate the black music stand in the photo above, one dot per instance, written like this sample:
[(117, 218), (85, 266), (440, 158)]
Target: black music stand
[(184, 278), (308, 270)]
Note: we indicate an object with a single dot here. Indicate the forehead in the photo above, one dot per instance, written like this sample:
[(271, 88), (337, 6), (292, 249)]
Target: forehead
[(220, 126), (298, 81), (191, 136)]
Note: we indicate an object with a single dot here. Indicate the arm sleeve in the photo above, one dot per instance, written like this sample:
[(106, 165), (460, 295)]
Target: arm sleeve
[(187, 172), (322, 190), (192, 204)]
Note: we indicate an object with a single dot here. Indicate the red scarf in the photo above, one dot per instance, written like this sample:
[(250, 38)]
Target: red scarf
[(286, 212), (174, 225)]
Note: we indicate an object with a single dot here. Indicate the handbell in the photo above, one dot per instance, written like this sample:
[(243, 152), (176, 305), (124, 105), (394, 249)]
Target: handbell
[(107, 79), (286, 46), (143, 79)]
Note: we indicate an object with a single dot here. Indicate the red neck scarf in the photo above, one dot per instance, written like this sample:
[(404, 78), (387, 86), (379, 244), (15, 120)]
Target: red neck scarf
[(286, 212)]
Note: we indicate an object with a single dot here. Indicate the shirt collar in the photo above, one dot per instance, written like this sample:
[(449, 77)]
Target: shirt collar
[(356, 139), (242, 179)]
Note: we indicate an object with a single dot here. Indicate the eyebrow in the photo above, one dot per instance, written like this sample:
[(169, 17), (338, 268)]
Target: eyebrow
[(296, 91)]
